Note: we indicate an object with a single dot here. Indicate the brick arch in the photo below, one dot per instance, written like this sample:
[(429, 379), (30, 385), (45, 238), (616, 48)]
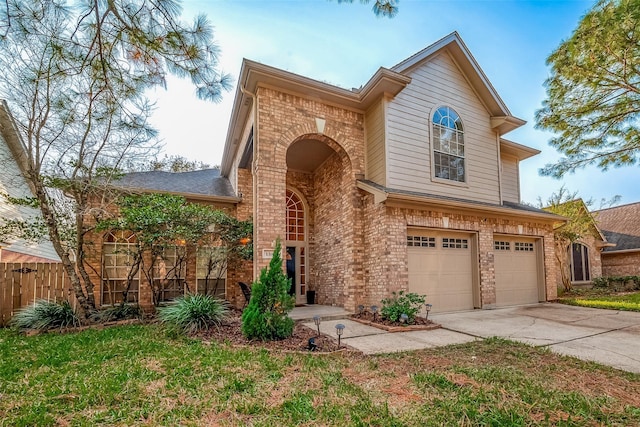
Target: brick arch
[(308, 130)]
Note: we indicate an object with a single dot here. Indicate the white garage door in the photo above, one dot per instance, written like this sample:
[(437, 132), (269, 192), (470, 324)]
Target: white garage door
[(517, 272), (441, 267)]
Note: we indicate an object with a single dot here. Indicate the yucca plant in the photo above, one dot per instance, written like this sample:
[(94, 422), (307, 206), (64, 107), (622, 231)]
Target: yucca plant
[(192, 313), (43, 315)]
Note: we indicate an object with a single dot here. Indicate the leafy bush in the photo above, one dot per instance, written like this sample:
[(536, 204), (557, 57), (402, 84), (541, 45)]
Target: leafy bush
[(43, 315), (192, 313), (266, 316), (618, 283), (118, 312), (401, 303)]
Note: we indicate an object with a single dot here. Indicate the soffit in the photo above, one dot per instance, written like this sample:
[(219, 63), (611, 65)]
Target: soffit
[(521, 152)]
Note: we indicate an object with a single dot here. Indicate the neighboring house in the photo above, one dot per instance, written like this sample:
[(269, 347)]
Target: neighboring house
[(621, 226), (403, 184), (13, 183), (582, 257)]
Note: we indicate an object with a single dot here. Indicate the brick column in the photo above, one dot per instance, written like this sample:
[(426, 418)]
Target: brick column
[(487, 267), (269, 212)]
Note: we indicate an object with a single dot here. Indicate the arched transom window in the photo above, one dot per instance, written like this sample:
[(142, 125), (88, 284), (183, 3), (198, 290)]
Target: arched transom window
[(448, 145), (295, 217)]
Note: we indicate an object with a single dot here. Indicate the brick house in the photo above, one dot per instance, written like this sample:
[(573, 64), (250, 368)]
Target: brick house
[(403, 184), (621, 226), (584, 261)]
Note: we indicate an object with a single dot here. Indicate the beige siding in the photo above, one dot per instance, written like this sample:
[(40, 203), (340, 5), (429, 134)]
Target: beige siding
[(15, 185), (436, 83), (510, 179), (375, 167)]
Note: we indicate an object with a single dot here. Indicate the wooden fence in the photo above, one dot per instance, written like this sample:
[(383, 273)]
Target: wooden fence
[(23, 283)]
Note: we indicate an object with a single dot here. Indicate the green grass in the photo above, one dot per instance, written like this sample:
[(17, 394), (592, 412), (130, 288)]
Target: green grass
[(136, 375), (628, 302)]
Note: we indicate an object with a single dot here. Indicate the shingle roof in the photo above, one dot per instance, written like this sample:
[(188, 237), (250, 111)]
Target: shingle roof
[(621, 225), (515, 208), (206, 182)]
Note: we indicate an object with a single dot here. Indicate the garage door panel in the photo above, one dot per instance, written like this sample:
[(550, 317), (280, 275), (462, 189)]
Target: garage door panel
[(516, 268), (444, 275)]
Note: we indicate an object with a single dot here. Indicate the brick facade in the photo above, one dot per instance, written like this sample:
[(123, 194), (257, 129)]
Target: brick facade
[(357, 249), (621, 264), (330, 192), (386, 267)]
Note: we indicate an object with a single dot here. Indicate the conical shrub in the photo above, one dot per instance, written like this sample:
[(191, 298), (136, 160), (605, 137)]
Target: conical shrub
[(266, 316)]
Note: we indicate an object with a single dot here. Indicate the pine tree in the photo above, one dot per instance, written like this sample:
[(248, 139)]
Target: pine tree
[(266, 316)]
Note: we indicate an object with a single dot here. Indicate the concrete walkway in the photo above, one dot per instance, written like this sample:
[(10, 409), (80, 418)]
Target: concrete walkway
[(372, 340), (604, 336)]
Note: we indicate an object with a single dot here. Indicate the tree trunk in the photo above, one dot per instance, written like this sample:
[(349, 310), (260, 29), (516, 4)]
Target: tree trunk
[(86, 305)]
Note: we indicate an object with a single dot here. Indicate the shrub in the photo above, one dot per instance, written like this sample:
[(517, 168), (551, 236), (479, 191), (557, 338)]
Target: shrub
[(401, 303), (266, 316), (192, 313), (618, 283), (118, 312), (43, 315)]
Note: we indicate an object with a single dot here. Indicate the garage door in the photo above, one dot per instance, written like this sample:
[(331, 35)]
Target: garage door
[(440, 267), (517, 272)]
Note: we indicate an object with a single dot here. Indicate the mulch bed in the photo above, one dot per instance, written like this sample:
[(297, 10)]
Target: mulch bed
[(419, 323), (230, 333)]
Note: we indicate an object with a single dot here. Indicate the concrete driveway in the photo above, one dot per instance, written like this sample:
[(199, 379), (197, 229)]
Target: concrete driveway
[(604, 336)]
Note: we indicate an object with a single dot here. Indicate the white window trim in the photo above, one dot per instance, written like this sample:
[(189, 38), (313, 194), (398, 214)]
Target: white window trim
[(434, 178)]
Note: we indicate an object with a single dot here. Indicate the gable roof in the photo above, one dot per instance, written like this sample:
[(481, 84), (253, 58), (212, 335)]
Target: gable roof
[(386, 81), (501, 118), (597, 232), (206, 184), (621, 225)]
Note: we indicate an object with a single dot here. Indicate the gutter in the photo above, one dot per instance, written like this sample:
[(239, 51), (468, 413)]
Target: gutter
[(621, 251), (387, 197)]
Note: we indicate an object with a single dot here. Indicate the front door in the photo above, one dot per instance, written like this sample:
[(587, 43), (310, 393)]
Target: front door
[(296, 245), (296, 272)]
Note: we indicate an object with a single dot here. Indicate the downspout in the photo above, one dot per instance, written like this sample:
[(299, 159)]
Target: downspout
[(499, 168), (254, 106)]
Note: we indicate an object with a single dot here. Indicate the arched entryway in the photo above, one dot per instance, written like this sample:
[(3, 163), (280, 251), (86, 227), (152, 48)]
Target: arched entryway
[(296, 246), (321, 220)]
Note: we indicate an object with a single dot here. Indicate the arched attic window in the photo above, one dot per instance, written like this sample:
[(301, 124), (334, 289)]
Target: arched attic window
[(448, 145)]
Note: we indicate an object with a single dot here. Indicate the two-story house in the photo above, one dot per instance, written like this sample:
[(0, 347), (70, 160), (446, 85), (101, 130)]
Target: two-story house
[(403, 184)]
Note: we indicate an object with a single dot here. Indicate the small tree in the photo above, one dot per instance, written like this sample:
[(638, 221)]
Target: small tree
[(266, 316), (580, 223), (163, 224)]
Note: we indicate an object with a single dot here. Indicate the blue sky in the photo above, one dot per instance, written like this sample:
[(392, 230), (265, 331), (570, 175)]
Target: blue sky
[(344, 44)]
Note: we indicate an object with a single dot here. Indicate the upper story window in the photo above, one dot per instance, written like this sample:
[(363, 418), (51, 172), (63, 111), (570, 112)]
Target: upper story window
[(448, 145)]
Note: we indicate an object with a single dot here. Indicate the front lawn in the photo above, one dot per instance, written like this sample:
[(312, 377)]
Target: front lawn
[(595, 299), (136, 375)]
